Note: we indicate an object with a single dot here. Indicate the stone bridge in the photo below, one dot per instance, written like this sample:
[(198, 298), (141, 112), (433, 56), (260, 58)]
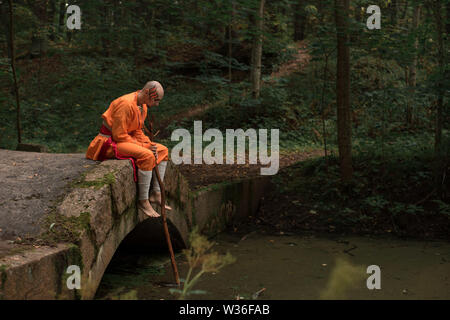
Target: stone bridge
[(89, 208)]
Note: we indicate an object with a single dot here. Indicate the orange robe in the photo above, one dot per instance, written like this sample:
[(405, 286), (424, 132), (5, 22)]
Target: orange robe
[(125, 120)]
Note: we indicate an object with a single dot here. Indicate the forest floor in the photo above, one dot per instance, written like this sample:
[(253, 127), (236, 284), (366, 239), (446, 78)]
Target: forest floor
[(297, 211), (299, 61), (202, 175)]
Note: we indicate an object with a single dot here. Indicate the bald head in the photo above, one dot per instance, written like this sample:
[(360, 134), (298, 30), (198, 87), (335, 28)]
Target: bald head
[(145, 96), (159, 88)]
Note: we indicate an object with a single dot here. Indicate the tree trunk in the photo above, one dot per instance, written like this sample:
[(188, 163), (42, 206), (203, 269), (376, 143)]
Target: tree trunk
[(13, 67), (255, 74), (343, 90), (106, 26), (358, 13), (448, 17), (51, 19), (405, 10), (230, 50), (299, 21), (439, 154), (412, 68), (61, 21), (394, 9), (4, 15), (40, 10)]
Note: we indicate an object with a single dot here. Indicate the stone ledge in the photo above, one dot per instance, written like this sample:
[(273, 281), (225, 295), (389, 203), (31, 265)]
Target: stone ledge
[(106, 195)]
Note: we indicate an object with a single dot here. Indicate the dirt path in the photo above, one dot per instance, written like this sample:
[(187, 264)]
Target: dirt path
[(299, 61), (202, 175)]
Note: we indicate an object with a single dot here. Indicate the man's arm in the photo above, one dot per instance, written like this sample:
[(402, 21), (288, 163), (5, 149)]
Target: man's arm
[(119, 124), (142, 138)]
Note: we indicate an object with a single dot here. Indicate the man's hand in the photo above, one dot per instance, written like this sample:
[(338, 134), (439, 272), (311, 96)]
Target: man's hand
[(152, 93), (153, 147)]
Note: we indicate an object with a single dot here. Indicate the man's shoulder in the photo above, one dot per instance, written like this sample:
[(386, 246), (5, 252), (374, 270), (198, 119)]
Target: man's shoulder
[(127, 100)]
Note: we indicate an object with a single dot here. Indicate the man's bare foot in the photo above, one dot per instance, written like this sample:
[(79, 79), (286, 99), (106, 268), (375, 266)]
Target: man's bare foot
[(155, 197), (145, 206)]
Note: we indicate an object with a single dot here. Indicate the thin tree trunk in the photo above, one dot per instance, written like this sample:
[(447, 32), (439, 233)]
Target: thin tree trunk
[(4, 15), (394, 9), (439, 156), (51, 19), (412, 68), (230, 51), (343, 90), (299, 21), (322, 107), (13, 67), (405, 10), (255, 74), (358, 13), (106, 26), (448, 17), (62, 13)]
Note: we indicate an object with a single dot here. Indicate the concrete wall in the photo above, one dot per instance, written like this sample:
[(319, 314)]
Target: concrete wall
[(104, 201)]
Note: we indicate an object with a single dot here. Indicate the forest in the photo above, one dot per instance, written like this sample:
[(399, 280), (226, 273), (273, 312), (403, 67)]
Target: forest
[(362, 110)]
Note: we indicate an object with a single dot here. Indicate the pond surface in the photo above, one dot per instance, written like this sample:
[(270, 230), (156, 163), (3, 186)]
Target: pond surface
[(292, 267)]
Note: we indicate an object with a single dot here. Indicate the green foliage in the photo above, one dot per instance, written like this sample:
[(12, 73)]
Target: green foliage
[(384, 187), (199, 255)]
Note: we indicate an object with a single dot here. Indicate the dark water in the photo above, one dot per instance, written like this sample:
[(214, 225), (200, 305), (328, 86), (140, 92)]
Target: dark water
[(292, 267)]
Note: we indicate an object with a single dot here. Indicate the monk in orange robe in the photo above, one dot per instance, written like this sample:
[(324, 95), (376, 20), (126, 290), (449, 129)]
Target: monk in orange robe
[(121, 137)]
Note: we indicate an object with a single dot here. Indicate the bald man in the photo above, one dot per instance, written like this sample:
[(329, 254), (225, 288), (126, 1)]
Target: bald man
[(121, 137)]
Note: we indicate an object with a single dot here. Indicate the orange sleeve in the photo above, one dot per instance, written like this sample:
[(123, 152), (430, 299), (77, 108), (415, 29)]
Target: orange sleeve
[(142, 138), (120, 116)]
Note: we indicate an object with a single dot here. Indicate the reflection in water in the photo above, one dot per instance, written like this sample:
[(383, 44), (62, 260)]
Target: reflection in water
[(290, 267)]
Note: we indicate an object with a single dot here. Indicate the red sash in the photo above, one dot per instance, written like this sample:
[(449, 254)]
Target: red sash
[(105, 131)]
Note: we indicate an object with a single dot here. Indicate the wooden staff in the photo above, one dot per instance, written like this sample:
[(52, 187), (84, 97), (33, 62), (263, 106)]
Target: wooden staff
[(163, 210)]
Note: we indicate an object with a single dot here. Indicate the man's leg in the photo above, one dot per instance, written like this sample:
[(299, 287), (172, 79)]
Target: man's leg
[(163, 157), (145, 161), (144, 178)]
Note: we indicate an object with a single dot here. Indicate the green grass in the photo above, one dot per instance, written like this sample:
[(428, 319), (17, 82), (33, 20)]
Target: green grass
[(394, 185)]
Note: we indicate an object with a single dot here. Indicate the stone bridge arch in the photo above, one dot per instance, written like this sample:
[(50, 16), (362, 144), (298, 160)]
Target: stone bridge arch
[(101, 206), (106, 195)]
